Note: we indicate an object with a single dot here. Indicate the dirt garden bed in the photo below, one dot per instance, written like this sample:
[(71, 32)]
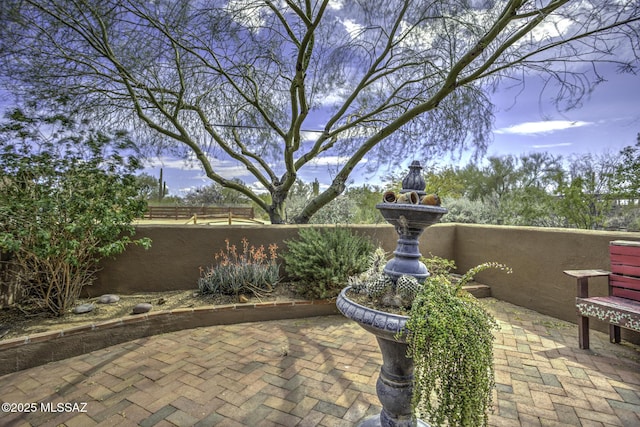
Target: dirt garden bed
[(31, 341), (16, 321)]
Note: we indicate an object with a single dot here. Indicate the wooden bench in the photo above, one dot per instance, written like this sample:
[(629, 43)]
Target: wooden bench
[(621, 308)]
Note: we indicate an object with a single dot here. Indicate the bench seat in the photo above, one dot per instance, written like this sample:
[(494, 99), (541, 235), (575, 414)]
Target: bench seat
[(614, 310), (621, 308)]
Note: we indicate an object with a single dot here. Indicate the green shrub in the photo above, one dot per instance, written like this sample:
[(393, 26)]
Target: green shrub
[(438, 265), (321, 260), (251, 271), (67, 200)]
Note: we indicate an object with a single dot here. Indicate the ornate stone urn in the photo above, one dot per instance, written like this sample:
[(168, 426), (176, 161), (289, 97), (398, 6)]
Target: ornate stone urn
[(395, 382)]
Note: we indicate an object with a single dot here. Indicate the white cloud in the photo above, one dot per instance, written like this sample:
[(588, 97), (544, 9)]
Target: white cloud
[(172, 163), (533, 128), (353, 28), (183, 191), (329, 99), (257, 187), (554, 26), (561, 144), (226, 168), (331, 161), (309, 136), (335, 4), (246, 13)]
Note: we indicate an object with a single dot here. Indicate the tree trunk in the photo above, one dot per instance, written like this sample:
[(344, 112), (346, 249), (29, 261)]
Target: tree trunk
[(275, 216), (276, 210), (334, 190)]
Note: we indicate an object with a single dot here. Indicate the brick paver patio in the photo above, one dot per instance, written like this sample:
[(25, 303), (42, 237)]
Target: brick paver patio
[(318, 371)]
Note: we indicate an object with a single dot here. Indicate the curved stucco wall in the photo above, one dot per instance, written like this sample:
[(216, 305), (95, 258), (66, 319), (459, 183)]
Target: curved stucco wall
[(537, 256), (178, 252)]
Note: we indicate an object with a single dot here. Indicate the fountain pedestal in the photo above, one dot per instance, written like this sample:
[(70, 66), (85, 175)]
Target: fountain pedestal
[(409, 221), (395, 383)]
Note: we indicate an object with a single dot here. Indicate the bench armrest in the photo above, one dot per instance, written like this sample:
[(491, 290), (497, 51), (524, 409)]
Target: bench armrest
[(578, 274), (583, 279)]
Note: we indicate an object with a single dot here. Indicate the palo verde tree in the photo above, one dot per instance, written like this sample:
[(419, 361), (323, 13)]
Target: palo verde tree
[(586, 192), (276, 85)]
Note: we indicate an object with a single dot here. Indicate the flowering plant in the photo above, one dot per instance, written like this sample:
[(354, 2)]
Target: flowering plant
[(251, 270)]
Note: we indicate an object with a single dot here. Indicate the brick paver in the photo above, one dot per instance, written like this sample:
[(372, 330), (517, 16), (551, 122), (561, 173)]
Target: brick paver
[(319, 372)]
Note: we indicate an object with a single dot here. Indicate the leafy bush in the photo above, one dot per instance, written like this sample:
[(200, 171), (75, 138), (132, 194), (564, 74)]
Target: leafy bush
[(252, 271), (464, 210), (321, 260), (68, 199), (438, 265)]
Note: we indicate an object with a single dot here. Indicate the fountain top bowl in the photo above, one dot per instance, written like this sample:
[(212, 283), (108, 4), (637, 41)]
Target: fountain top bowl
[(406, 215)]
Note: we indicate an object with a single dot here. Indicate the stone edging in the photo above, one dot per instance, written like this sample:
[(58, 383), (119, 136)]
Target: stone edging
[(38, 349)]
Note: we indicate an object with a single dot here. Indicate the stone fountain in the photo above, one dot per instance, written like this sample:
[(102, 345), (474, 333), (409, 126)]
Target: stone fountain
[(410, 212)]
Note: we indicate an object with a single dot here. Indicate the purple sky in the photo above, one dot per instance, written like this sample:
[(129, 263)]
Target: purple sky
[(609, 120)]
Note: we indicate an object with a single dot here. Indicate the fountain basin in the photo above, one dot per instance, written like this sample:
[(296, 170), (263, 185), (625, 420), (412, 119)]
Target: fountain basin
[(409, 221)]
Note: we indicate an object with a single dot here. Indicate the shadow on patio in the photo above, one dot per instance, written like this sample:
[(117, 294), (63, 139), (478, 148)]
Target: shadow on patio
[(319, 371)]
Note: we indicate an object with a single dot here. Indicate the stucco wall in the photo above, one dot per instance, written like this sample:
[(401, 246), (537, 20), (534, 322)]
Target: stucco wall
[(439, 240), (177, 253), (538, 256)]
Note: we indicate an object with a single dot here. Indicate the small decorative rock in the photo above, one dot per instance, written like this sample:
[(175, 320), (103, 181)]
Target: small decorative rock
[(143, 307), (83, 308), (108, 299)]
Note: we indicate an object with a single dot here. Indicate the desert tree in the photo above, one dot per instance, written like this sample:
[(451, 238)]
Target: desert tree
[(278, 86), (627, 173), (586, 191)]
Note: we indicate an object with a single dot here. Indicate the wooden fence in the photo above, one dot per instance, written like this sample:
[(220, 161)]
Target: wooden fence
[(227, 213)]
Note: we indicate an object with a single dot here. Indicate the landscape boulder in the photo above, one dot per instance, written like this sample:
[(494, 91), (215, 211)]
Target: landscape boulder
[(143, 307)]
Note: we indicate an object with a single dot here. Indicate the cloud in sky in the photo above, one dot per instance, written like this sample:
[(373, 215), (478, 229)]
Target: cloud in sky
[(561, 144), (226, 168), (171, 163), (331, 161), (353, 28), (535, 128), (309, 135)]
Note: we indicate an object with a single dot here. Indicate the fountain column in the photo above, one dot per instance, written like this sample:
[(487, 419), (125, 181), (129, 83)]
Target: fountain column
[(395, 383)]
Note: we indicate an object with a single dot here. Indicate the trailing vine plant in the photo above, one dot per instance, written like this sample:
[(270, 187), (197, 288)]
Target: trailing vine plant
[(450, 339), (449, 336)]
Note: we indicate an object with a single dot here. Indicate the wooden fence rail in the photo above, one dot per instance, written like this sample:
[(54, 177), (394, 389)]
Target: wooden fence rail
[(200, 212)]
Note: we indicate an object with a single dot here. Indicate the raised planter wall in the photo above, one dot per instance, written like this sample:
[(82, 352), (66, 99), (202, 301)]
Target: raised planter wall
[(537, 256)]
